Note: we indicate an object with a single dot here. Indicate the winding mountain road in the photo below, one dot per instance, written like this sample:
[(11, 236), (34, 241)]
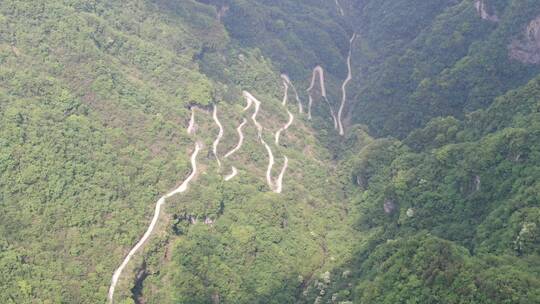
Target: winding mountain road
[(270, 165), (286, 93), (218, 138), (191, 127), (340, 9), (277, 185), (240, 139), (287, 82), (279, 181), (481, 9), (233, 174), (157, 212), (249, 101), (319, 70), (259, 127), (252, 100), (285, 127), (344, 86)]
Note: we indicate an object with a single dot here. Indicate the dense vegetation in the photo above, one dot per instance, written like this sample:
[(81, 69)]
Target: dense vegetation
[(89, 133), (453, 210), (437, 58), (431, 197)]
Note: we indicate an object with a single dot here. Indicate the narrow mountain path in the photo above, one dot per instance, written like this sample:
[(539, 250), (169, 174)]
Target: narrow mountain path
[(285, 127), (232, 174), (279, 181), (249, 101), (259, 127), (311, 85), (284, 103), (344, 86), (287, 82), (191, 126), (481, 9), (319, 70), (252, 100), (218, 138), (270, 165), (240, 139), (183, 187), (340, 9), (334, 118), (286, 93)]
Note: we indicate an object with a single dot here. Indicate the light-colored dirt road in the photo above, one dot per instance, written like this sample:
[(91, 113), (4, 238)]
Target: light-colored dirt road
[(191, 127), (318, 70), (344, 87), (279, 181), (287, 82), (233, 174), (252, 100), (340, 9), (240, 139), (259, 127), (481, 9), (286, 87), (218, 138), (157, 212), (249, 101), (285, 127)]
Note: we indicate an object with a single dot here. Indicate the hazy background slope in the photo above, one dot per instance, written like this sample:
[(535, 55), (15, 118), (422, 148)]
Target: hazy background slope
[(419, 61)]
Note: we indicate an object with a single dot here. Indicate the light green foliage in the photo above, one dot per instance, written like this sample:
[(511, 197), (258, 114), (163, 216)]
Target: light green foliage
[(89, 101)]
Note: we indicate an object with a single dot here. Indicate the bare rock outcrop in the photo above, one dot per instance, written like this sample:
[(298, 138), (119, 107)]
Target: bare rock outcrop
[(527, 48)]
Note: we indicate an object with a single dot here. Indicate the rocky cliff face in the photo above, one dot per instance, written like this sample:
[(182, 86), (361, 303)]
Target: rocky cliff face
[(527, 49)]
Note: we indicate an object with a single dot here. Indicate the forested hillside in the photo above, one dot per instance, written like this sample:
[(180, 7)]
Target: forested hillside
[(420, 60), (452, 210), (183, 151)]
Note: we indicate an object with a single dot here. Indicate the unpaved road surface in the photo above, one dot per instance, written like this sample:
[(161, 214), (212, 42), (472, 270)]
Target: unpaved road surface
[(240, 139), (157, 212), (218, 138), (344, 87)]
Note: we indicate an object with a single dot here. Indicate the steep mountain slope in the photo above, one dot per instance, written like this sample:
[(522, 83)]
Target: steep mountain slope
[(90, 112), (165, 151), (452, 210), (411, 62), (95, 106), (419, 61)]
